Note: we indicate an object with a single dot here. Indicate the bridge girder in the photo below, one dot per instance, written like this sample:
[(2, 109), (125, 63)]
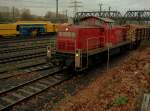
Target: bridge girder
[(135, 15), (111, 14)]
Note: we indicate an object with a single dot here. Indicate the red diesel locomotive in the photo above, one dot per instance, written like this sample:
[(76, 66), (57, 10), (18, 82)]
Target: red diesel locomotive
[(80, 45)]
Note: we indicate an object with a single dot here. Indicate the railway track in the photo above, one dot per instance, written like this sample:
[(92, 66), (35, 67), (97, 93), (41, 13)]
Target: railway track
[(20, 49), (23, 54), (7, 41), (11, 54), (22, 57), (24, 91), (12, 80), (21, 65), (23, 71), (23, 47), (26, 43), (13, 50)]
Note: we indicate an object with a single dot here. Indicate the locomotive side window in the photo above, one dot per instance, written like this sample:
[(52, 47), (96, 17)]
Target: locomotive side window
[(67, 34)]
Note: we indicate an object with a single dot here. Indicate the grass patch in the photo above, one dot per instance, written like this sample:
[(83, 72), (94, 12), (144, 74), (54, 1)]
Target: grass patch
[(121, 100)]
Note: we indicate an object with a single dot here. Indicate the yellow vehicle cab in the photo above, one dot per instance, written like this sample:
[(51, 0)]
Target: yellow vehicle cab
[(8, 30)]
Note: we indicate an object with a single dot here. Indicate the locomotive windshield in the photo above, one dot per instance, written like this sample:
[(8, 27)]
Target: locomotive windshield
[(67, 34)]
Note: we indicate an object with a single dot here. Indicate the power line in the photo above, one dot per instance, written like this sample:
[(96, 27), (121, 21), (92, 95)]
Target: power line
[(75, 5)]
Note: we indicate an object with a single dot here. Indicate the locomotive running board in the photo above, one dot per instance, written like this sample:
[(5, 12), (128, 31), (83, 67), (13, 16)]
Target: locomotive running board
[(146, 103), (99, 50)]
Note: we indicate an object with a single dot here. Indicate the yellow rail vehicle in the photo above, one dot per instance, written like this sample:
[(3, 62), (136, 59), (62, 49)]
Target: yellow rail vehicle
[(51, 28), (27, 28), (8, 30)]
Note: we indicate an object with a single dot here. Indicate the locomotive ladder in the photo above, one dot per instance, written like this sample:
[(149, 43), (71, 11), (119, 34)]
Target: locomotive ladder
[(79, 57)]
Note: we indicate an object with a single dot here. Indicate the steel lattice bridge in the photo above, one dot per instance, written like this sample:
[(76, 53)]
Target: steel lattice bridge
[(136, 15)]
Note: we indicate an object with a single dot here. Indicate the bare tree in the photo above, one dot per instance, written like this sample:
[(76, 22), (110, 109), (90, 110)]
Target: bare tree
[(5, 15), (26, 14), (15, 12), (49, 15), (52, 17)]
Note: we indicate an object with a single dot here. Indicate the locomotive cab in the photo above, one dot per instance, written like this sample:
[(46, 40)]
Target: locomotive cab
[(66, 39), (64, 47)]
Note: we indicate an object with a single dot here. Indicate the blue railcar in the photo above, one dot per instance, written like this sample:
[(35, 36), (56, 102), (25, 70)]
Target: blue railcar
[(30, 29)]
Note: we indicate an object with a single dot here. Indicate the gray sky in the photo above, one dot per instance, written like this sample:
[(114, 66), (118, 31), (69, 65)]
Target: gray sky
[(40, 7)]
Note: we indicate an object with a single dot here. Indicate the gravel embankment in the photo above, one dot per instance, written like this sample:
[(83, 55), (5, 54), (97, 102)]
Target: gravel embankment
[(119, 89)]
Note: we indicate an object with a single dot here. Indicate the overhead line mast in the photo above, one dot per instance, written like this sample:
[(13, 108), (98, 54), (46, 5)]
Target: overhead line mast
[(56, 8), (75, 4), (100, 6)]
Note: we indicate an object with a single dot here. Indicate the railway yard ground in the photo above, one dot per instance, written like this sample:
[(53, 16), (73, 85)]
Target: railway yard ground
[(28, 83), (119, 89)]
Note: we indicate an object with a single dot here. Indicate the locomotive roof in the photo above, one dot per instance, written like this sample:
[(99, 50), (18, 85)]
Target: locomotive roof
[(91, 26), (108, 20), (33, 22)]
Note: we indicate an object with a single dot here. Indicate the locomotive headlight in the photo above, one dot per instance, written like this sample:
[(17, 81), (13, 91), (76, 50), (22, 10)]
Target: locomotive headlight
[(67, 29), (77, 55)]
